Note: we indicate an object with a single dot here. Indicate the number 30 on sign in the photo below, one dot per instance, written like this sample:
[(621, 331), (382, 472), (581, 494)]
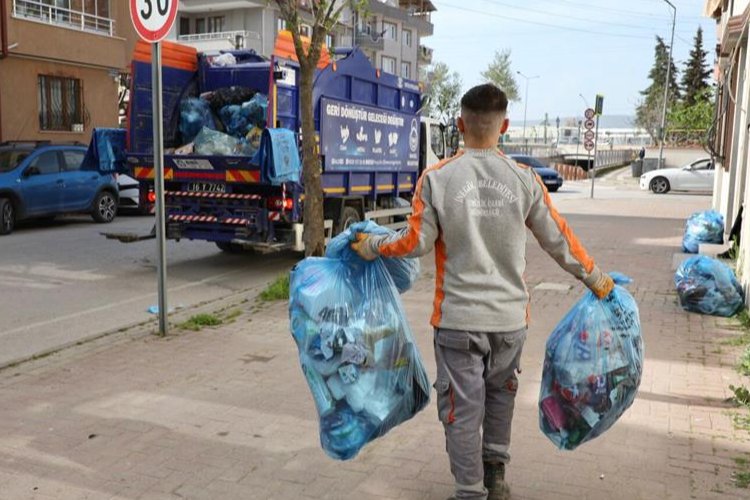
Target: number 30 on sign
[(153, 19)]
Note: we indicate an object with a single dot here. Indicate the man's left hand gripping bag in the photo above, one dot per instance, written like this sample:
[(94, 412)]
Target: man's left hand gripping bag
[(356, 350)]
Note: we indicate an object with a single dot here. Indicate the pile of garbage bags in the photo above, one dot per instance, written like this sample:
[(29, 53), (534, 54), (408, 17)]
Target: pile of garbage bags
[(228, 121), (357, 352), (708, 286), (703, 227), (592, 367)]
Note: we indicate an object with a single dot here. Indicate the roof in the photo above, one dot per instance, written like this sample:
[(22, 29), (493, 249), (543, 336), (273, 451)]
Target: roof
[(712, 8), (418, 5)]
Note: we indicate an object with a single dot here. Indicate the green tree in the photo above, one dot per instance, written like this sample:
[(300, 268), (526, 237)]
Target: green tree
[(696, 116), (325, 15), (500, 73), (649, 109), (695, 80), (442, 93)]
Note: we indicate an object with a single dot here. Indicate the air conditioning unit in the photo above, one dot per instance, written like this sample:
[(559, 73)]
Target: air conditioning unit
[(77, 127)]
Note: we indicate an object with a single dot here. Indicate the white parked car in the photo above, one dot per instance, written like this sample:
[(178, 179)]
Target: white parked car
[(130, 199), (697, 176)]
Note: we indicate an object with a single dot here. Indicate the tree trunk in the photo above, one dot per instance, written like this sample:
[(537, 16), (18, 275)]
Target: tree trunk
[(314, 232)]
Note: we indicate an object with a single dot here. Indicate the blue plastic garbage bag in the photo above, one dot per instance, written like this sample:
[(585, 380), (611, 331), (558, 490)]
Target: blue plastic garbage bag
[(235, 121), (404, 272), (357, 352), (592, 367), (708, 286), (194, 115), (256, 110), (278, 156), (703, 227)]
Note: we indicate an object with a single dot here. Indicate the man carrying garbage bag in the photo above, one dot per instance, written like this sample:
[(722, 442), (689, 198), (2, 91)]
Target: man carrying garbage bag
[(473, 209)]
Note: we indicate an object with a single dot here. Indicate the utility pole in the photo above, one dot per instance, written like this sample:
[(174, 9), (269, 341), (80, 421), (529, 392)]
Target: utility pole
[(526, 101), (666, 87)]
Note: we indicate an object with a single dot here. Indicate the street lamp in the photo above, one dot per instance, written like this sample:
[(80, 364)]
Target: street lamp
[(584, 101), (526, 101), (666, 86)]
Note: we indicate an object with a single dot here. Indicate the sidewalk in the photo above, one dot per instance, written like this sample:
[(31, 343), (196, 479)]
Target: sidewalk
[(225, 413)]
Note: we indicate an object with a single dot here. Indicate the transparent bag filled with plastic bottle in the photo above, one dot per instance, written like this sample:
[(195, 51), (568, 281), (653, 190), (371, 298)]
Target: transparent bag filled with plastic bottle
[(708, 286), (403, 271), (703, 227), (356, 349), (592, 367)]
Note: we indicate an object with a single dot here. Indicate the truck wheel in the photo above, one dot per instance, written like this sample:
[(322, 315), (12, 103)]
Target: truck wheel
[(349, 216), (105, 207), (7, 216)]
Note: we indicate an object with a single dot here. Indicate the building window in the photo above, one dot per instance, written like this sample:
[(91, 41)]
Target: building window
[(389, 64), (60, 103), (406, 37), (200, 25), (216, 24), (184, 26), (406, 69), (390, 31), (280, 25), (330, 40), (305, 30)]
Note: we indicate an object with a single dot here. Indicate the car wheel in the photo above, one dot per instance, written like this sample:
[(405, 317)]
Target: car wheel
[(659, 185), (228, 247), (349, 216), (105, 207), (7, 216)]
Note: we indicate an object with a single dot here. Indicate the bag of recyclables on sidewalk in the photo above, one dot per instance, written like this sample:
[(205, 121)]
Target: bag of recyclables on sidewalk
[(356, 349), (592, 367), (708, 286), (703, 227)]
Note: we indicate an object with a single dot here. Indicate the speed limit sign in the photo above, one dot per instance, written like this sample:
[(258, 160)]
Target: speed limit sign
[(153, 19)]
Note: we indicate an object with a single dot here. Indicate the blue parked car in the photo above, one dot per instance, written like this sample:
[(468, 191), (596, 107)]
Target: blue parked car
[(550, 177), (40, 180)]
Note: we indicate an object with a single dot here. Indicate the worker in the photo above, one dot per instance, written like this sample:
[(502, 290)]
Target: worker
[(473, 209)]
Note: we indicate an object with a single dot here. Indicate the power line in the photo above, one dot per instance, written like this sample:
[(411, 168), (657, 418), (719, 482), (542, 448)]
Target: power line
[(547, 25), (574, 18), (618, 11)]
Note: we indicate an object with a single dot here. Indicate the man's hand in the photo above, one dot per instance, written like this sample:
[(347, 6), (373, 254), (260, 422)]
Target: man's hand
[(360, 245), (603, 287)]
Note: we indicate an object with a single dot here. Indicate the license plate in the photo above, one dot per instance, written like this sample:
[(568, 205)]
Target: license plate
[(550, 181), (207, 187)]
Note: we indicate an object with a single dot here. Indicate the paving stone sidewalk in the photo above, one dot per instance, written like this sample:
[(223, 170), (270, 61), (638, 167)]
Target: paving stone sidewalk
[(224, 413)]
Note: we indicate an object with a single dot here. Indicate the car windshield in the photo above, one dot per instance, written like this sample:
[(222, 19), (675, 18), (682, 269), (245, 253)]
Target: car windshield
[(10, 158)]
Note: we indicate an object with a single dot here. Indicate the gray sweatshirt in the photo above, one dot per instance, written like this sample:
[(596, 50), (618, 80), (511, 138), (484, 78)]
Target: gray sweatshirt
[(473, 209)]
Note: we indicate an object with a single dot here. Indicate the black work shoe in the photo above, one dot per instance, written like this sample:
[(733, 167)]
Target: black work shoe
[(494, 481)]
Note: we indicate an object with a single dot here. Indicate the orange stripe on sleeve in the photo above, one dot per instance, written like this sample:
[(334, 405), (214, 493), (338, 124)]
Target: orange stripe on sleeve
[(409, 242), (440, 259), (576, 248)]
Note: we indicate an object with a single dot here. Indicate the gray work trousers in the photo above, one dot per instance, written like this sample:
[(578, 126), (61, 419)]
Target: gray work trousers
[(476, 389)]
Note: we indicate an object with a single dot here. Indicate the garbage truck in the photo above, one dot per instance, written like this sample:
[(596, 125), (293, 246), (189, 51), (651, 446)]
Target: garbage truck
[(372, 141)]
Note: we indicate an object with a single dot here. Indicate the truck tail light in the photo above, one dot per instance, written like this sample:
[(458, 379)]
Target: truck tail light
[(151, 197), (279, 203)]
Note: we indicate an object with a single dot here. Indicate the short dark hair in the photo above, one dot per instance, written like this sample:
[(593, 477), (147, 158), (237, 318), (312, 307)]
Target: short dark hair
[(485, 98)]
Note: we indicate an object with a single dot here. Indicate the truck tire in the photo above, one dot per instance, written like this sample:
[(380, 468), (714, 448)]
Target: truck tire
[(7, 216), (105, 207), (349, 216)]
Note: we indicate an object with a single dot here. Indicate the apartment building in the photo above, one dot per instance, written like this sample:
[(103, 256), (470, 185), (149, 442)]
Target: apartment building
[(731, 144), (389, 34), (61, 63)]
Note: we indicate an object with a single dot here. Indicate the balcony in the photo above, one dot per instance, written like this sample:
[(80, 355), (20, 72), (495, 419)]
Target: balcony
[(425, 55), (223, 40), (366, 38), (33, 10)]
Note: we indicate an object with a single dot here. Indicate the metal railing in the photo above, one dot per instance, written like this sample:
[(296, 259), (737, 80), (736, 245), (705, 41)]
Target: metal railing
[(60, 16), (219, 35)]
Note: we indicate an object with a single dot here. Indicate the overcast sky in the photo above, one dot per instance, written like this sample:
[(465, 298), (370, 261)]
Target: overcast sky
[(574, 46)]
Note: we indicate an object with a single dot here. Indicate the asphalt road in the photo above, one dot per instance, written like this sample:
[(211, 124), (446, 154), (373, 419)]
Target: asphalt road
[(64, 282)]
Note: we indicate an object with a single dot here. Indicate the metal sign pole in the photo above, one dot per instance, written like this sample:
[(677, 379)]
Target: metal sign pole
[(158, 125), (596, 149)]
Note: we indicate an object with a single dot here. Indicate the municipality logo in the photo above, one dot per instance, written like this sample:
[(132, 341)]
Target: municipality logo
[(414, 136)]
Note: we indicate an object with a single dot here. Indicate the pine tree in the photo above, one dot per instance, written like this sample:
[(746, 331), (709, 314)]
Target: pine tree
[(649, 111), (695, 79)]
